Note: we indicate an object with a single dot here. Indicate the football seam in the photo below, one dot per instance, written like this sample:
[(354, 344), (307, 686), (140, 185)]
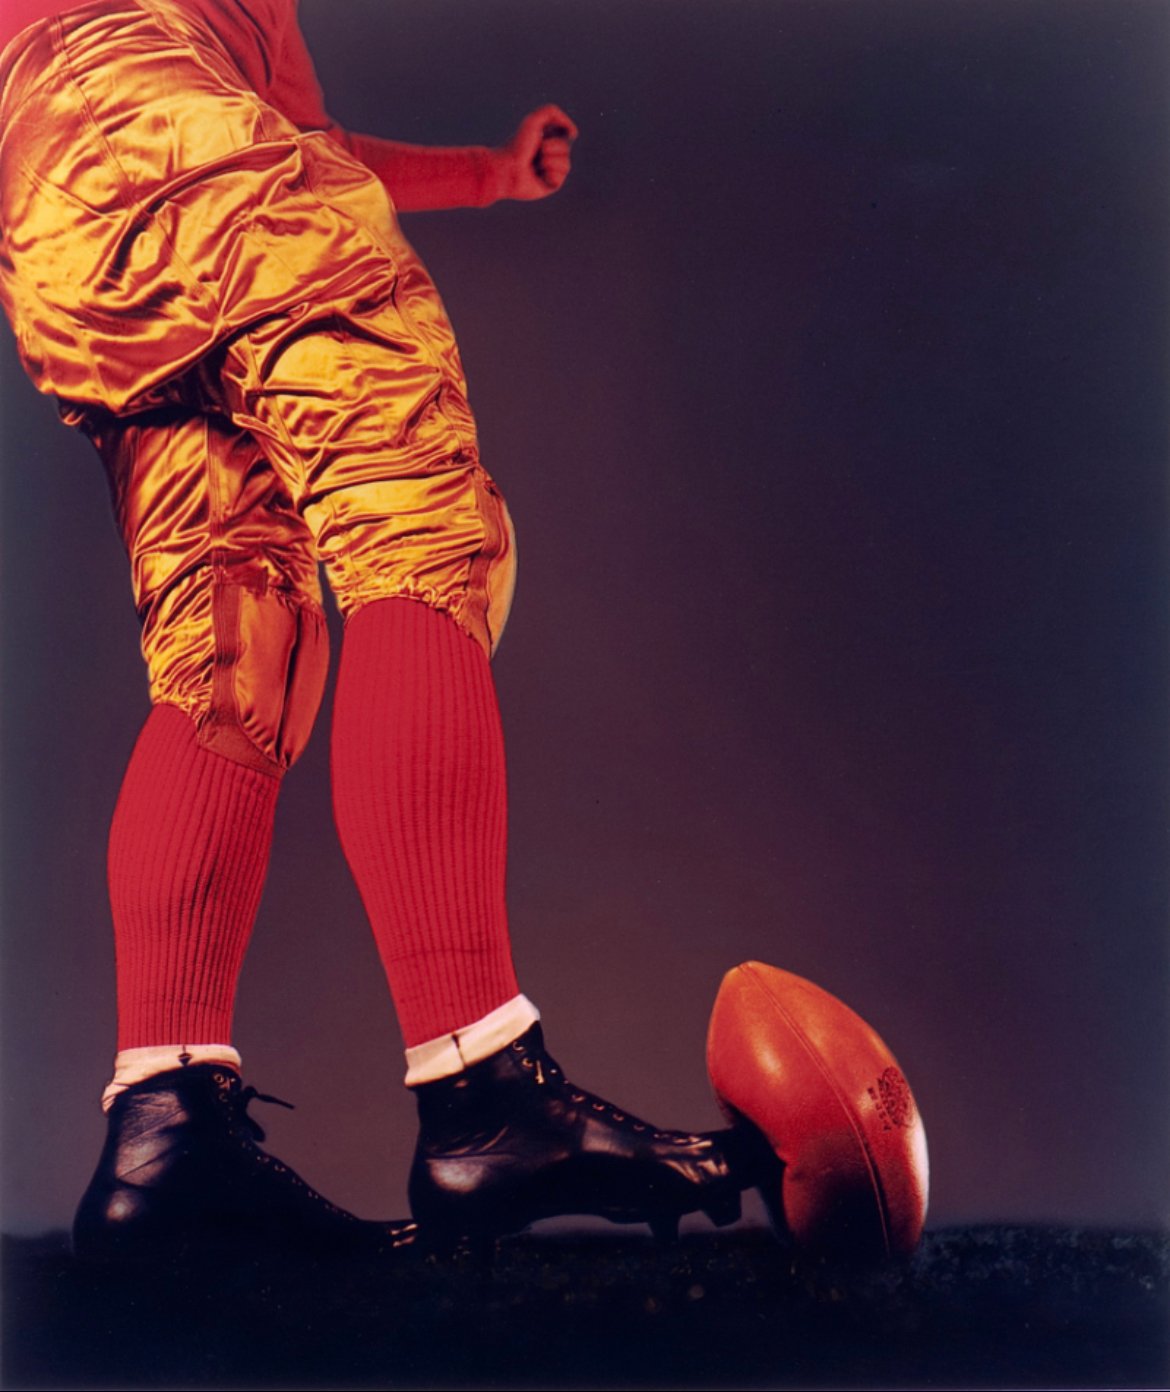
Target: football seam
[(850, 1113)]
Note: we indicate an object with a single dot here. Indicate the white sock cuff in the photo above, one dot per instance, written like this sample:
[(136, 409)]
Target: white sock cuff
[(452, 1053), (136, 1065)]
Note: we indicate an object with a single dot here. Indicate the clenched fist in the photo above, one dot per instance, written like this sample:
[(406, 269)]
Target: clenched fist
[(535, 162)]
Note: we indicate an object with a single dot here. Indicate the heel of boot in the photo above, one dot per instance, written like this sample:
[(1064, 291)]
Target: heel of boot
[(116, 1225)]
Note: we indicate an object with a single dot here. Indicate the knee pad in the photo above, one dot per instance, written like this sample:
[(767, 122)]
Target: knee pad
[(500, 583), (271, 661), (247, 662)]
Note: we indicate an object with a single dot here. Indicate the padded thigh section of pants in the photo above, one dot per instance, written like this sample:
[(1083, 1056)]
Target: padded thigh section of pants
[(152, 205), (378, 451), (224, 573)]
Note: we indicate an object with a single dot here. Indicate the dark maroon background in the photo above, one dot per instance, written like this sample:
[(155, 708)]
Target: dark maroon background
[(829, 397)]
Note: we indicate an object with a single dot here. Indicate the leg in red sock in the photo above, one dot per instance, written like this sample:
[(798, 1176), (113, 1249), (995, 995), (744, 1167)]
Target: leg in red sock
[(188, 854), (225, 583), (419, 791), (420, 800)]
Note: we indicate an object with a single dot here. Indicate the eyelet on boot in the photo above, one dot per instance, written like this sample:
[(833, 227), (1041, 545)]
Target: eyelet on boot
[(510, 1141), (181, 1176)]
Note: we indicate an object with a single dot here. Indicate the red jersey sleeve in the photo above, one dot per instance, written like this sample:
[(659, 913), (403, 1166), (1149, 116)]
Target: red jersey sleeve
[(417, 177)]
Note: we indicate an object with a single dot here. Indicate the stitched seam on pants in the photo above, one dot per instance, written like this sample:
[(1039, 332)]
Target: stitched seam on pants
[(225, 600), (345, 555), (260, 108), (90, 116), (435, 358), (10, 109), (254, 388), (216, 508), (225, 627), (130, 204), (479, 565), (358, 226)]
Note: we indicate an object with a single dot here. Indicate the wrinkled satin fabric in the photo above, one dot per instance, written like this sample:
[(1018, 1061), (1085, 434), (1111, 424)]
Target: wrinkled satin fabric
[(227, 305)]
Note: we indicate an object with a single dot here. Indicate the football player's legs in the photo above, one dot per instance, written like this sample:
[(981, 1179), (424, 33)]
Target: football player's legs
[(372, 436)]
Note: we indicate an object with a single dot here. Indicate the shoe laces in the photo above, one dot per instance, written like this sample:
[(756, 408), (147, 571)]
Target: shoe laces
[(238, 1098), (248, 1130), (546, 1070)]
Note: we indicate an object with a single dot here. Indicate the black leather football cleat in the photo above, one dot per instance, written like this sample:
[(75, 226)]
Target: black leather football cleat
[(510, 1140), (181, 1176)]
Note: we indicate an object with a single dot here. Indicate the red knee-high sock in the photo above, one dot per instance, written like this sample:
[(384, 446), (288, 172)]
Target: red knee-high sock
[(189, 850), (419, 795)]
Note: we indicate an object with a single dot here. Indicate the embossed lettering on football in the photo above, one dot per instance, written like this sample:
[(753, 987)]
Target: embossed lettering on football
[(833, 1104)]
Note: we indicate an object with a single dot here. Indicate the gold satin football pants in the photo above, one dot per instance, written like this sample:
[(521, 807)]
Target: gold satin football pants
[(227, 306)]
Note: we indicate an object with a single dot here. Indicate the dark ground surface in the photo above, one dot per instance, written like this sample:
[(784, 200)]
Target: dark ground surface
[(976, 1307)]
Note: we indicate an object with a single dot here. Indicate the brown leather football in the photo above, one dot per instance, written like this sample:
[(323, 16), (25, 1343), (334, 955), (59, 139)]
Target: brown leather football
[(833, 1104)]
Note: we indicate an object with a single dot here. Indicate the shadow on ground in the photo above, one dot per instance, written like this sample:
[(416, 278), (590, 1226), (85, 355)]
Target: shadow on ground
[(976, 1307)]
